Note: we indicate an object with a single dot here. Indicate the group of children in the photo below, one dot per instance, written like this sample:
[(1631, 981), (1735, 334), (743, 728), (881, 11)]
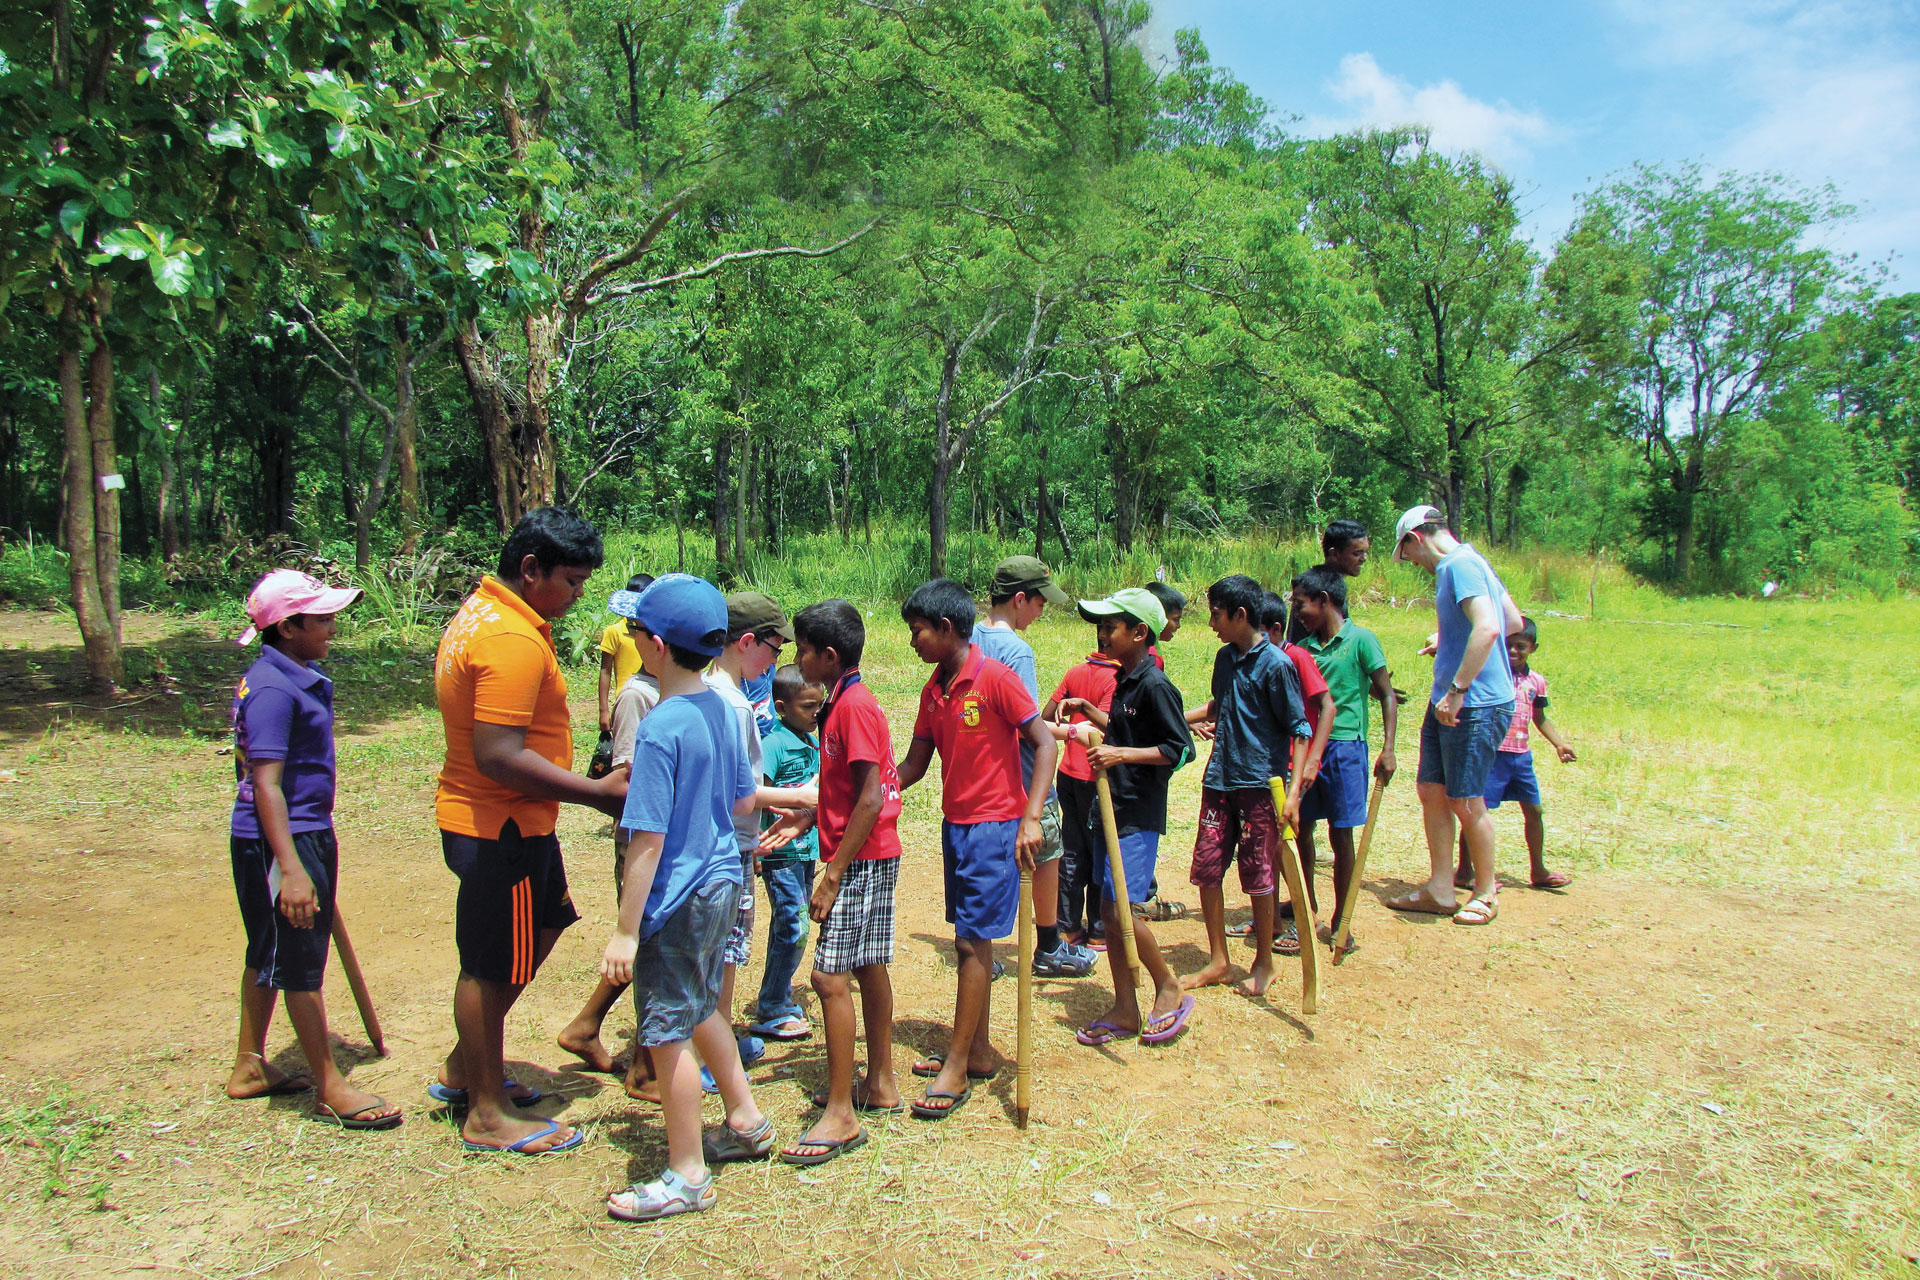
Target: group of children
[(709, 791)]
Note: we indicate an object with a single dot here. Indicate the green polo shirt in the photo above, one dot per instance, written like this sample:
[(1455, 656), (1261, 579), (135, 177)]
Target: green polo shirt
[(1347, 663)]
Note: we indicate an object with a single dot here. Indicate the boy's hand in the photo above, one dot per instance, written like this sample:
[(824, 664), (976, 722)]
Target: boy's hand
[(1431, 647), (1103, 756), (793, 824), (826, 892), (616, 966), (1309, 774), (1290, 813), (1384, 766), (606, 722), (613, 790), (1447, 710), (1027, 844), (1204, 730), (1566, 754), (298, 902)]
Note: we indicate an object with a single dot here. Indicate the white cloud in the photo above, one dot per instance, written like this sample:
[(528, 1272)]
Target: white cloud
[(1456, 120)]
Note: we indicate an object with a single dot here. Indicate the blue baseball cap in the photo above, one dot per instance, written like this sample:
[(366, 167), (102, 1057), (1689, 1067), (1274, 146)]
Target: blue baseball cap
[(625, 603), (684, 610)]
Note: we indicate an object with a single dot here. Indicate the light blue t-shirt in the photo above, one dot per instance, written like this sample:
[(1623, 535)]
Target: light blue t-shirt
[(688, 770), (1462, 574), (1004, 646)]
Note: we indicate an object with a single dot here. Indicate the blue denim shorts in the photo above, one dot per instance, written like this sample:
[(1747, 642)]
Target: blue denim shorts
[(677, 971), (983, 877), (1461, 754), (1512, 778), (1139, 852), (1339, 794)]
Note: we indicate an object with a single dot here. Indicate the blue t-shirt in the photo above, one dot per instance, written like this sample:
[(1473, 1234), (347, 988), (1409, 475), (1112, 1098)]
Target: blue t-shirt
[(688, 770), (1462, 574), (759, 691), (790, 761), (1004, 646), (283, 710), (1257, 712)]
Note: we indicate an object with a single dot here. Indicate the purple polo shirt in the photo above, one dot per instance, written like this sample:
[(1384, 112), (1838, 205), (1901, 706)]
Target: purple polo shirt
[(283, 710)]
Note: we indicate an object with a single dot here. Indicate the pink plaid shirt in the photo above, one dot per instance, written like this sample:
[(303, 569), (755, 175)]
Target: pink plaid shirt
[(1528, 690)]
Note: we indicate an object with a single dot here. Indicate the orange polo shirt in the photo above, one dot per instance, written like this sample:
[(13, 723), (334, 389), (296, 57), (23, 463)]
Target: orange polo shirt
[(497, 664)]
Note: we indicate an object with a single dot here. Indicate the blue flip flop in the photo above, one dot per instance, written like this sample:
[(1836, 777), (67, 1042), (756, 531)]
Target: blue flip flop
[(520, 1148), (458, 1097)]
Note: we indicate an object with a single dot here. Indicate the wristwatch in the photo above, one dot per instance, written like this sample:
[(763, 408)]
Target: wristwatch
[(1457, 687)]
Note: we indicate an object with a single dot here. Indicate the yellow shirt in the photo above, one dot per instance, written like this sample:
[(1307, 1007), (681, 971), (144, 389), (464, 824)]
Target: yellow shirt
[(618, 642)]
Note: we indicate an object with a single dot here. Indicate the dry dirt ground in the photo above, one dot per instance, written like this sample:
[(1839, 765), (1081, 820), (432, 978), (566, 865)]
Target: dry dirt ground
[(1647, 1075)]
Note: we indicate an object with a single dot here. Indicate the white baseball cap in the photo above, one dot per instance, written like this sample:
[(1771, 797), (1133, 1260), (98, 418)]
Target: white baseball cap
[(1410, 519)]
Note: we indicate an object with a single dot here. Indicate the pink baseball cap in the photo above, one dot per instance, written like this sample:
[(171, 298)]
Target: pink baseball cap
[(285, 592)]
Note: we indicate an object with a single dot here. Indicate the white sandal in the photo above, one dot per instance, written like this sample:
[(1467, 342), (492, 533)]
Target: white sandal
[(662, 1198), (1478, 911)]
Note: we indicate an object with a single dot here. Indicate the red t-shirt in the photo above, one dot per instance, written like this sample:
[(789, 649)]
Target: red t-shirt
[(856, 729), (975, 725), (1093, 680), (1312, 684)]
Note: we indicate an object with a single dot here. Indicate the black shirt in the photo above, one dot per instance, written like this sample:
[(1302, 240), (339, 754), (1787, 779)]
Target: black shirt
[(1146, 712)]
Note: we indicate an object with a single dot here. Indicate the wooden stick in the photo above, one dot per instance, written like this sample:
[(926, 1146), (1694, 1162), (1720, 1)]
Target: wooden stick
[(356, 980), (1343, 922), (1122, 901), (1023, 1045), (1304, 921)]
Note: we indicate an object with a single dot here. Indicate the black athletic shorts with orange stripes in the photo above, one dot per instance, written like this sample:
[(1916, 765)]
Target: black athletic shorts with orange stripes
[(512, 890)]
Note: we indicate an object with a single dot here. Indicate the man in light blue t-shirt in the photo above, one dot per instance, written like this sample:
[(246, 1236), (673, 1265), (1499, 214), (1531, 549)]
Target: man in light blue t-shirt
[(1468, 711)]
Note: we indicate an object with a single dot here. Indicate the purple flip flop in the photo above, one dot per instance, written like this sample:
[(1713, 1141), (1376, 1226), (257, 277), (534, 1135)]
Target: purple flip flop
[(1177, 1022), (1101, 1032)]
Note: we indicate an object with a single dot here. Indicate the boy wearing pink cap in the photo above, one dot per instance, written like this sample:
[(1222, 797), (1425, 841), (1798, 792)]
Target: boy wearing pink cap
[(285, 860)]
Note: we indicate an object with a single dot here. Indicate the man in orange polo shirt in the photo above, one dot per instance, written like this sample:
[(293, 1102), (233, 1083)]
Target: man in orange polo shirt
[(508, 768)]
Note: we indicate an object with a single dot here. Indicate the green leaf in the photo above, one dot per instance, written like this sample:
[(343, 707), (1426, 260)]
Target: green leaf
[(73, 221), (117, 201), (172, 274), (227, 133), (523, 264), (125, 242), (278, 150)]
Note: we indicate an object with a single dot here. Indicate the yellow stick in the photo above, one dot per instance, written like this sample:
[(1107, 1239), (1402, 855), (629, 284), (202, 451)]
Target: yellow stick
[(1343, 923), (1305, 924), (1123, 903), (1023, 1047)]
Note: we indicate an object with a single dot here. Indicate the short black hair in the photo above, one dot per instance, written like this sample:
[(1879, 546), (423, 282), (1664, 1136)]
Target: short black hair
[(553, 536), (835, 625), (684, 658), (1170, 600), (271, 637), (1340, 534), (1273, 611), (639, 582), (943, 599), (1236, 593), (1528, 631), (789, 683), (1322, 581)]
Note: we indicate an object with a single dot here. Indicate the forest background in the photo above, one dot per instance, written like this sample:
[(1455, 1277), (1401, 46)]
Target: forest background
[(857, 292)]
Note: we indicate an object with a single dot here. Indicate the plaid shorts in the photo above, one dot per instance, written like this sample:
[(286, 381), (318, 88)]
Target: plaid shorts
[(740, 937), (859, 929)]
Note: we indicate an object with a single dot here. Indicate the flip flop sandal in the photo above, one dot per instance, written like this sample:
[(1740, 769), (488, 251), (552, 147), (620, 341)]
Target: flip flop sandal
[(1242, 930), (860, 1103), (925, 1111), (782, 1029), (520, 1148), (1288, 943), (1478, 911), (662, 1198), (1164, 910), (354, 1119), (939, 1060), (1420, 904), (1558, 880), (458, 1097), (830, 1149), (727, 1144), (1176, 1022), (1102, 1032), (280, 1089)]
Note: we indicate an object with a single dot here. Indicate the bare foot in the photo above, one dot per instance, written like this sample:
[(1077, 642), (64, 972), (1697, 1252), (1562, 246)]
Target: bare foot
[(254, 1077), (643, 1089), (1207, 977), (814, 1141), (1256, 981), (508, 1132), (582, 1040), (1463, 878), (358, 1104)]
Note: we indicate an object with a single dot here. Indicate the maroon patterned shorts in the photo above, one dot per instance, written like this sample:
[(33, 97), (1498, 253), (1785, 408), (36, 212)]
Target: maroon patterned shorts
[(1237, 826)]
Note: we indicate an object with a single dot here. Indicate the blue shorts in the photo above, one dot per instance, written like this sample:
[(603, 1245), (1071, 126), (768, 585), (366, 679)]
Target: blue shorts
[(1139, 851), (983, 878), (1339, 794), (1511, 778), (1461, 754), (679, 967)]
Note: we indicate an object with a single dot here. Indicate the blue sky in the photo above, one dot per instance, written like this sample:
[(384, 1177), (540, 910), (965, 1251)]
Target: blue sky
[(1562, 96)]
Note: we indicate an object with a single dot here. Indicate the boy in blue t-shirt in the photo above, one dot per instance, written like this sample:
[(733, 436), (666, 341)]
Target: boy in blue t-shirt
[(790, 758), (285, 860), (682, 892)]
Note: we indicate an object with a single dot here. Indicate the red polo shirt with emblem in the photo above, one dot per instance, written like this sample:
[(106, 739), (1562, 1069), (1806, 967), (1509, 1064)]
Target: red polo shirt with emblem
[(975, 725), (854, 730)]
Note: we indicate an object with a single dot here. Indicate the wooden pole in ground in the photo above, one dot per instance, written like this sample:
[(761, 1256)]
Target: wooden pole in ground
[(1123, 903), (1343, 921), (1023, 1044), (1304, 921), (358, 982)]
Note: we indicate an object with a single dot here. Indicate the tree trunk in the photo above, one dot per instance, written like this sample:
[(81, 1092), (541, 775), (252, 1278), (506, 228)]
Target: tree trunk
[(1516, 489), (106, 502), (937, 503), (1487, 490), (846, 494), (99, 628), (1040, 506), (722, 502), (169, 476), (743, 500), (406, 457), (519, 452), (343, 424)]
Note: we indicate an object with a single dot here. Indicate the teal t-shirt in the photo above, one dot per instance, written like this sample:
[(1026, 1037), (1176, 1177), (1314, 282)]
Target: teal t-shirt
[(790, 761)]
